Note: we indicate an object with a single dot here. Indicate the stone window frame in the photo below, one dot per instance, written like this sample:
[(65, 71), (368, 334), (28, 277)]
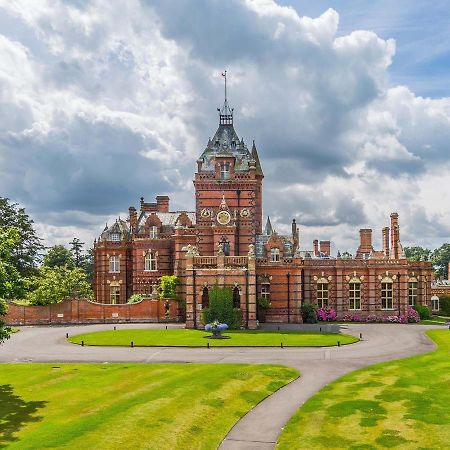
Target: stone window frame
[(354, 281), (114, 294), (225, 170), (413, 291), (115, 237), (114, 264), (151, 261), (265, 290), (275, 254), (322, 300), (153, 232), (387, 302), (435, 302)]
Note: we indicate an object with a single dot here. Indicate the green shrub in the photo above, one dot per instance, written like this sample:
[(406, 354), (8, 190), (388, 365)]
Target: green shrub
[(444, 306), (168, 285), (424, 312), (308, 312), (5, 331), (136, 298), (264, 303), (221, 308)]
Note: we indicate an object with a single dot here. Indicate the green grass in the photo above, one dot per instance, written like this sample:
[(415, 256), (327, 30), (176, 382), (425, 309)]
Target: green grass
[(129, 406), (403, 404), (196, 338), (435, 320)]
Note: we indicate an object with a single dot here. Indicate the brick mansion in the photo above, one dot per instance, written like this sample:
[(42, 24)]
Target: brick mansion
[(225, 242)]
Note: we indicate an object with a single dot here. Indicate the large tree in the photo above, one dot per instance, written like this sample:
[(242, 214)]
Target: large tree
[(417, 253), (59, 256), (56, 284), (440, 259), (12, 284), (5, 331), (25, 254)]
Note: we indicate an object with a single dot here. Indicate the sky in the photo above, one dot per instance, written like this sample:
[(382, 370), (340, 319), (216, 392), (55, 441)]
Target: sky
[(348, 102)]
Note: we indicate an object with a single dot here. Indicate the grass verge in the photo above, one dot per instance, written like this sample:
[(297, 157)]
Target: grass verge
[(118, 406), (402, 404), (197, 338)]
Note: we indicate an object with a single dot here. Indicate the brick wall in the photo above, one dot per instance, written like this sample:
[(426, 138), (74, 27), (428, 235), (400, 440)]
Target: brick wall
[(84, 311)]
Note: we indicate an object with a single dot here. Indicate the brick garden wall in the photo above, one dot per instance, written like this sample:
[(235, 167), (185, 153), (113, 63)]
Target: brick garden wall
[(81, 311)]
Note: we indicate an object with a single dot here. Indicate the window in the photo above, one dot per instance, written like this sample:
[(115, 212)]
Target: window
[(354, 295), (114, 295), (412, 293), (225, 171), (153, 232), (150, 261), (114, 264), (205, 298), (115, 237), (236, 298), (322, 295), (275, 254), (265, 291), (386, 295), (435, 303)]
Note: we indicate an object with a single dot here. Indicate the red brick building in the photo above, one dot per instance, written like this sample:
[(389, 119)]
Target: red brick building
[(223, 242)]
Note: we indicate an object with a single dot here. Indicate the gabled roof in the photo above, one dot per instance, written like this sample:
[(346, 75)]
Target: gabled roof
[(119, 227)]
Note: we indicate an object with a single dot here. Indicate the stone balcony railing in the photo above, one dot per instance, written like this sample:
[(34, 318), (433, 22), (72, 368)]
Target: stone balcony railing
[(206, 262)]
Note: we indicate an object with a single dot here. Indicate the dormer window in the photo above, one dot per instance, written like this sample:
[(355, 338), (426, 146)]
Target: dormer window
[(225, 171), (233, 144), (153, 232), (115, 237), (275, 254), (217, 143)]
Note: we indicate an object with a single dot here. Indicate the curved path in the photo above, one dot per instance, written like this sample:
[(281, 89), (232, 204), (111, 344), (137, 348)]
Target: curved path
[(259, 429)]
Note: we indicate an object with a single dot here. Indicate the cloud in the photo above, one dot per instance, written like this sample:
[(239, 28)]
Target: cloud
[(102, 103)]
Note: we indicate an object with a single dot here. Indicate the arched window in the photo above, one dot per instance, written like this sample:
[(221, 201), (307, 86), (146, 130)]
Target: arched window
[(236, 298), (354, 294), (412, 291), (153, 232), (386, 294), (205, 298), (150, 261), (435, 303), (114, 264), (275, 254), (322, 293)]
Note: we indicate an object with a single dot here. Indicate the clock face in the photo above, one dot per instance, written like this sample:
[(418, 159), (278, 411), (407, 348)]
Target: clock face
[(223, 217)]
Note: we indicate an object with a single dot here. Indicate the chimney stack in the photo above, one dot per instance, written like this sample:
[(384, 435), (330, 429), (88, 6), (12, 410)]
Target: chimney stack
[(385, 241), (295, 235), (325, 247), (162, 203), (316, 247), (133, 217), (395, 237)]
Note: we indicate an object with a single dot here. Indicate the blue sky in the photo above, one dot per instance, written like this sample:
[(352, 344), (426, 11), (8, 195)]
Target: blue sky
[(349, 104)]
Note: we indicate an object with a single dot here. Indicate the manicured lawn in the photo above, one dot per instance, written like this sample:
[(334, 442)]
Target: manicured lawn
[(196, 338), (401, 404), (435, 320), (129, 406)]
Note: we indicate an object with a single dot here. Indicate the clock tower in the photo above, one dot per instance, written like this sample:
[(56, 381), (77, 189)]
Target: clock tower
[(228, 191)]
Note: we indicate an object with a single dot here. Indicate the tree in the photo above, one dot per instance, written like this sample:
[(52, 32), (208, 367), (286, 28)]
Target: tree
[(440, 259), (5, 331), (59, 256), (53, 285), (346, 255), (87, 263), (417, 253), (167, 286), (12, 284), (25, 253), (77, 248)]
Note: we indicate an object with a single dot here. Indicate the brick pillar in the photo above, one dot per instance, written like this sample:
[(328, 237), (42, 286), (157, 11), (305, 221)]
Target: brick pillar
[(339, 292), (395, 236), (385, 241), (190, 319), (371, 292), (251, 269)]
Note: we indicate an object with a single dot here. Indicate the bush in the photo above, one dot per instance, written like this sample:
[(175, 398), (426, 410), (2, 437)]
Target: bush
[(135, 298), (168, 285), (5, 332), (264, 303), (444, 306), (221, 308), (308, 312), (326, 315), (424, 312), (412, 315)]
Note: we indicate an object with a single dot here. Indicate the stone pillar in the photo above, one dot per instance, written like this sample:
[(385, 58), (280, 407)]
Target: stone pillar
[(371, 292), (251, 286), (339, 292)]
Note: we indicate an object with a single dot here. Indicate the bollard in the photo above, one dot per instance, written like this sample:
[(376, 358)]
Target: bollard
[(281, 345), (339, 343), (114, 328), (278, 328), (360, 336), (320, 329), (82, 343), (166, 327), (67, 335), (207, 344), (132, 344)]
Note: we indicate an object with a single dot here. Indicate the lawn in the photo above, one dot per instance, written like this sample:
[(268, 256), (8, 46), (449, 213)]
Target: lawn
[(402, 404), (129, 406), (435, 320), (197, 338)]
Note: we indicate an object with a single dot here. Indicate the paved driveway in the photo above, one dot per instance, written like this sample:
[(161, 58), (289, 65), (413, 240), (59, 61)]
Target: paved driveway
[(260, 428)]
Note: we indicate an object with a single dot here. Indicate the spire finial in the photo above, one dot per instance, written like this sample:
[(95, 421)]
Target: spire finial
[(224, 74), (226, 113)]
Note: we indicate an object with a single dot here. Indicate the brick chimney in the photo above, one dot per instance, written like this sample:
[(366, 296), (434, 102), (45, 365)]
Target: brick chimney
[(365, 240), (295, 235), (162, 203), (133, 217), (385, 241), (316, 247), (395, 237), (325, 248)]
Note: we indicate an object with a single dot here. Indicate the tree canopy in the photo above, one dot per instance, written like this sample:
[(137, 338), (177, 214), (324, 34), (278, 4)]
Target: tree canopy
[(417, 253), (440, 259), (5, 331), (59, 256)]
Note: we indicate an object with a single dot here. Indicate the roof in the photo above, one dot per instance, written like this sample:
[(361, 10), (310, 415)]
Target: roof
[(166, 218), (119, 227)]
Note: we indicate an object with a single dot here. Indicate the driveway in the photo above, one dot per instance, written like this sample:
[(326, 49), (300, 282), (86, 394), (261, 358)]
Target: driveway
[(260, 428)]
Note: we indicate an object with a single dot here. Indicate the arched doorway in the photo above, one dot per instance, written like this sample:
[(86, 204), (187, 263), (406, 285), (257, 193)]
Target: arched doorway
[(236, 297), (205, 297)]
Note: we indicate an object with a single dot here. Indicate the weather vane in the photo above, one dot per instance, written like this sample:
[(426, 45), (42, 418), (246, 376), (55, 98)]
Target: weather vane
[(224, 74)]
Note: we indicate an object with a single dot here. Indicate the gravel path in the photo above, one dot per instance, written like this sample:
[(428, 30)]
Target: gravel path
[(259, 429)]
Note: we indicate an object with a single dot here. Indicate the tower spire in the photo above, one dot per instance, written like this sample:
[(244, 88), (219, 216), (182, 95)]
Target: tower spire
[(226, 113)]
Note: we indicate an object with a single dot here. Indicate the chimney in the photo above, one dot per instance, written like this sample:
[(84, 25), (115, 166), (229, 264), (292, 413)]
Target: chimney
[(325, 247), (365, 242), (133, 217), (295, 235), (162, 203), (395, 237), (385, 241), (316, 247)]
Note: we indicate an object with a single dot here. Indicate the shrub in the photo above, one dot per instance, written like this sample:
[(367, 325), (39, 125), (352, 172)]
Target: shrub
[(308, 312), (5, 331), (221, 308), (326, 315), (424, 312), (444, 306), (135, 298), (167, 286), (395, 319), (412, 315), (264, 303)]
